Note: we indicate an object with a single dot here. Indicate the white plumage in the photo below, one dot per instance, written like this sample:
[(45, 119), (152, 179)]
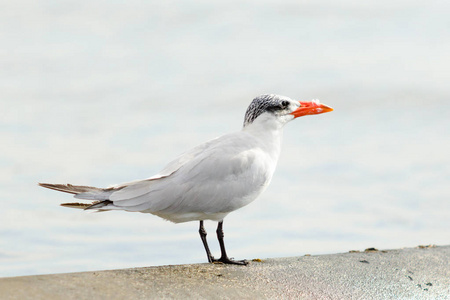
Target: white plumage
[(212, 179)]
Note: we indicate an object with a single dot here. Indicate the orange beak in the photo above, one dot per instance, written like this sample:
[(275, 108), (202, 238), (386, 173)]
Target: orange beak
[(310, 108)]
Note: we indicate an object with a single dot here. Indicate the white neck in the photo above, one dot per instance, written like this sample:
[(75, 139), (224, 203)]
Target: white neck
[(269, 130), (267, 123)]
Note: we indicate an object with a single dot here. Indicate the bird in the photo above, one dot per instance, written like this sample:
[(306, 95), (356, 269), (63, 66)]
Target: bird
[(210, 180)]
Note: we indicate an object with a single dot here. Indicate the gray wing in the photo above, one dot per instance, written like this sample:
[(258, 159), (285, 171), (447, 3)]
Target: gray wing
[(212, 177)]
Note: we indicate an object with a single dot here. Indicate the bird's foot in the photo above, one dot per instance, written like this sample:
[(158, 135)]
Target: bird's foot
[(226, 260)]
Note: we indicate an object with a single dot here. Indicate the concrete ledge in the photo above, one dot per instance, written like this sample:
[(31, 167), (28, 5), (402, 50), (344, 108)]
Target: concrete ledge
[(414, 273)]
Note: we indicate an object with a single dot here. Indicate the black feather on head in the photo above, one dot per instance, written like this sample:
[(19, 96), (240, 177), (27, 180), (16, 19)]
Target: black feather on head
[(262, 104)]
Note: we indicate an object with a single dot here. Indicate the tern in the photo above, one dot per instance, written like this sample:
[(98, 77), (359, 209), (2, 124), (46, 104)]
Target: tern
[(211, 180)]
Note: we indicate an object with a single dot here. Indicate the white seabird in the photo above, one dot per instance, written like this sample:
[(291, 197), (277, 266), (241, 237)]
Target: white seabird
[(211, 180)]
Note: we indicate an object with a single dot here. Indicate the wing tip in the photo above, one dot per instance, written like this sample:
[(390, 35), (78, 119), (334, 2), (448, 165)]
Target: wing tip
[(66, 188)]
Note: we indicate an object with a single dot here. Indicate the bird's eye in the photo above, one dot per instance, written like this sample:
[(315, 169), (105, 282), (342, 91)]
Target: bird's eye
[(284, 104)]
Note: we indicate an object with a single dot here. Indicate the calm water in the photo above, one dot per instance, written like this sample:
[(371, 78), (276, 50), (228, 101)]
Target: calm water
[(105, 92)]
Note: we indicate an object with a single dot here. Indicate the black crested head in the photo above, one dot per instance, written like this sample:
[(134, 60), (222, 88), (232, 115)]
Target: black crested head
[(265, 103)]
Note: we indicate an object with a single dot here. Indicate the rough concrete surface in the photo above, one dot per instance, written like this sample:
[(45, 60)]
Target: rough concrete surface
[(414, 273)]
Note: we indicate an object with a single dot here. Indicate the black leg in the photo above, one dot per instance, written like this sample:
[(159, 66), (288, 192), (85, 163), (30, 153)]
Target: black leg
[(202, 232), (224, 258)]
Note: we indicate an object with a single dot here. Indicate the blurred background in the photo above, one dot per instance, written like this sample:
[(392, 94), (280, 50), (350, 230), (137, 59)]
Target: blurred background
[(104, 92)]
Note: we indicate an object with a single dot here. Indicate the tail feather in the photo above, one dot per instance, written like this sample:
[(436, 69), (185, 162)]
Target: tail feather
[(99, 204), (79, 205), (72, 189), (100, 196), (93, 205)]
